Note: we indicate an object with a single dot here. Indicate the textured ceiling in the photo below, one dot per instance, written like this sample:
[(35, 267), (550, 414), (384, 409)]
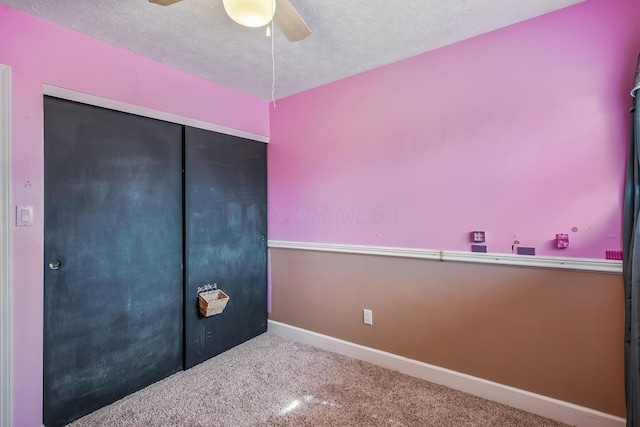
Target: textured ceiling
[(348, 36)]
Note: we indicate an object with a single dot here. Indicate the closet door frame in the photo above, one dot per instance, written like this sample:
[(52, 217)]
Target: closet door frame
[(6, 242), (71, 95)]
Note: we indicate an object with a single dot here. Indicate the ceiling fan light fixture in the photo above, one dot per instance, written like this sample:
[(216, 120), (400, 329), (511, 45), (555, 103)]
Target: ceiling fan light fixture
[(250, 13)]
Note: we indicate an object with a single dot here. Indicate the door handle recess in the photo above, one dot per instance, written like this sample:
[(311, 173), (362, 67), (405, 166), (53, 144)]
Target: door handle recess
[(55, 264)]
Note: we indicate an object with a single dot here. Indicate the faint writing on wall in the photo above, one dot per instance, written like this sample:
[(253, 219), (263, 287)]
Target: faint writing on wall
[(324, 214)]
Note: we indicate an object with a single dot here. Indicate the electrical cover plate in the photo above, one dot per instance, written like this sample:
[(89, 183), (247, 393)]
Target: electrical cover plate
[(24, 216)]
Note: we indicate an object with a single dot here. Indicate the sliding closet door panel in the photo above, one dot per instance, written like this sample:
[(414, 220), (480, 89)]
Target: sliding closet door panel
[(225, 232), (113, 255)]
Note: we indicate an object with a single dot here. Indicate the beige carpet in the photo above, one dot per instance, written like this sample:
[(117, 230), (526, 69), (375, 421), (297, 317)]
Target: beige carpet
[(273, 381)]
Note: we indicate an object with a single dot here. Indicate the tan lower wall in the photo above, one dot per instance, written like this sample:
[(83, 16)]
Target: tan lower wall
[(552, 332)]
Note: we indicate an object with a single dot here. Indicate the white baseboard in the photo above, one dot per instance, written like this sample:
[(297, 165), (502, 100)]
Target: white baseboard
[(548, 407)]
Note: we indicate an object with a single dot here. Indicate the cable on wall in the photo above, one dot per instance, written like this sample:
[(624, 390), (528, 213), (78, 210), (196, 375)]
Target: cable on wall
[(273, 60)]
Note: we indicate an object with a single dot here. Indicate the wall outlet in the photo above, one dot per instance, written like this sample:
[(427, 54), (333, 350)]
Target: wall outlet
[(368, 317)]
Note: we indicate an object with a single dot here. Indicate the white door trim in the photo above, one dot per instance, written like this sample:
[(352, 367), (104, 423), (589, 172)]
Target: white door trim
[(6, 213), (85, 98)]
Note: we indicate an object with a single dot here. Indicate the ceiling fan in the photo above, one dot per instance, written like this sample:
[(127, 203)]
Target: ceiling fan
[(257, 13)]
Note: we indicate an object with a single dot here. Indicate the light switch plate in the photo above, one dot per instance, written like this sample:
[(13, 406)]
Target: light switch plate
[(24, 216)]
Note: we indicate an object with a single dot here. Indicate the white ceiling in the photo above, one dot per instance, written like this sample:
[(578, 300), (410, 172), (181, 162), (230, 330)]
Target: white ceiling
[(348, 36)]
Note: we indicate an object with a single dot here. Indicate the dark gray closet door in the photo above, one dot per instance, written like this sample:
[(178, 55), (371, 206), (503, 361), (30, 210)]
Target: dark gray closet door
[(225, 232), (113, 256)]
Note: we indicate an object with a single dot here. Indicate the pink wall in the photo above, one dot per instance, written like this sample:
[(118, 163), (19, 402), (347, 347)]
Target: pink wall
[(40, 52), (520, 132)]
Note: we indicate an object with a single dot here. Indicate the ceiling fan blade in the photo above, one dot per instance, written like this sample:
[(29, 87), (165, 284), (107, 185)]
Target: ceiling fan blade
[(290, 22), (164, 2)]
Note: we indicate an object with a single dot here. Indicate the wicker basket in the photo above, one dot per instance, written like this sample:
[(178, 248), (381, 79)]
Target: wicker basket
[(212, 302)]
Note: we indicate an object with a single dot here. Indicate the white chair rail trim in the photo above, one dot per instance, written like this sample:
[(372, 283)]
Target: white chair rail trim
[(561, 263)]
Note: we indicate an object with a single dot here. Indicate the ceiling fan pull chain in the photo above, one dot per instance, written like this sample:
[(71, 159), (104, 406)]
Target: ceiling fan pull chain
[(273, 63)]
